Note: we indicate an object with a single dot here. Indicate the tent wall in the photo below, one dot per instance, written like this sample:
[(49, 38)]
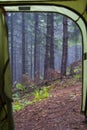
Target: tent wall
[(77, 5), (6, 120)]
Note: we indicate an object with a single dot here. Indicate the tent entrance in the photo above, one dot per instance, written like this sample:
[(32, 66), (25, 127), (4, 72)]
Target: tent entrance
[(75, 17), (29, 50)]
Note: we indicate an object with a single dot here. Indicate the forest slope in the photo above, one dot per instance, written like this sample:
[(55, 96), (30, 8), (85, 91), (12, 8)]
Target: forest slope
[(61, 111)]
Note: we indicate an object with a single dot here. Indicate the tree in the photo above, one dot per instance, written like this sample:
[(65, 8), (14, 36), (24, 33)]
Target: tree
[(52, 41), (12, 45), (36, 49), (23, 44), (49, 54), (10, 33), (65, 47)]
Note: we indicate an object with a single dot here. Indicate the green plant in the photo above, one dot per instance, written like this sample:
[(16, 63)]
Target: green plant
[(16, 96), (68, 71), (45, 92), (20, 104), (41, 94), (33, 86), (20, 87), (37, 95), (17, 106), (78, 77)]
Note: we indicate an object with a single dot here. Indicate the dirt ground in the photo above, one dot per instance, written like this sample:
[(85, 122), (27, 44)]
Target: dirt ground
[(61, 111)]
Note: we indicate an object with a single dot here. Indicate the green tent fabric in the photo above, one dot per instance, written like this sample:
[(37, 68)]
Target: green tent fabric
[(6, 121), (75, 9)]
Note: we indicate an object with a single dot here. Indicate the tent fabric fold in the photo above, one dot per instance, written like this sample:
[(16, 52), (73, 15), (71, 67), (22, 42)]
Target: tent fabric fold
[(6, 119)]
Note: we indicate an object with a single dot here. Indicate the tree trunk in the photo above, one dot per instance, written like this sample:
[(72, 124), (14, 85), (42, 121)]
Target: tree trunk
[(23, 45), (36, 49), (12, 46), (52, 41), (65, 47), (31, 61), (49, 54)]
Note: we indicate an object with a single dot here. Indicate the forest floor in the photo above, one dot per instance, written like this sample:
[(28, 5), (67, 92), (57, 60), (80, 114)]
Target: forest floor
[(61, 111)]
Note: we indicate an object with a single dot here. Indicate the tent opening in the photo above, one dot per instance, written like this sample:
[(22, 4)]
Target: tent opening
[(45, 55)]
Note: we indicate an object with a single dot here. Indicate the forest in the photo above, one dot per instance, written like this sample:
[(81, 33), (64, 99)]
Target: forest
[(45, 52), (42, 45)]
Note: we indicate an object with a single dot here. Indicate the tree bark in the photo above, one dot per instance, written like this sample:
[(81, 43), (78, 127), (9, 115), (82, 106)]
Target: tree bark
[(49, 54), (36, 49), (65, 47), (23, 45)]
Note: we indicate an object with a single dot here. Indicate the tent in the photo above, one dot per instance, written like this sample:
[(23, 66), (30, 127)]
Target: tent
[(5, 78), (74, 9)]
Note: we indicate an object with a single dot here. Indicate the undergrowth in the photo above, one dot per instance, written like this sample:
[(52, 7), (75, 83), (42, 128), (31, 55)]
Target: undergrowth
[(38, 95), (43, 93)]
